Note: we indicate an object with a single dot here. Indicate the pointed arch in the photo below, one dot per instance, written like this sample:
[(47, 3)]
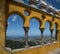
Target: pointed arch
[(55, 31), (34, 32), (38, 19), (47, 33), (15, 30), (18, 13), (49, 22), (14, 12)]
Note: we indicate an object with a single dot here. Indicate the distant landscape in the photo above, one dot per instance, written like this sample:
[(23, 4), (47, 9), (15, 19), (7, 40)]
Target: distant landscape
[(19, 42)]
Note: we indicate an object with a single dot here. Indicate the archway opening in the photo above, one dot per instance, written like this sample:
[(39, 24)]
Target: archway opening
[(34, 33), (55, 33), (47, 33), (15, 35)]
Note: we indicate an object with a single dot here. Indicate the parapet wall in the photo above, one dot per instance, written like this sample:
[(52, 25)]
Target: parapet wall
[(13, 7)]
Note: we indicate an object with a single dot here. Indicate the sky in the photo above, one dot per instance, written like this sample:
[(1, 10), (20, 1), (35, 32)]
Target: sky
[(54, 3), (15, 27), (15, 24)]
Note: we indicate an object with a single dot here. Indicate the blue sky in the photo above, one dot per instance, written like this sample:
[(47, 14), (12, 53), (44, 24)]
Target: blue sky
[(15, 27), (55, 3), (15, 24)]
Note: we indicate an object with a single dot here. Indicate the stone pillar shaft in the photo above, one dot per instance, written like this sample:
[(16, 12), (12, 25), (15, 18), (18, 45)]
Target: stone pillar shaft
[(56, 36), (26, 36), (51, 39), (42, 38)]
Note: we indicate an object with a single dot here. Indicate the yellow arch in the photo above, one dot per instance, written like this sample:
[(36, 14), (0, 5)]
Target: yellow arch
[(38, 19), (49, 22)]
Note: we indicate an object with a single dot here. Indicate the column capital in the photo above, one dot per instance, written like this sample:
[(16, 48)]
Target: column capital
[(51, 30), (42, 29), (57, 31), (26, 29)]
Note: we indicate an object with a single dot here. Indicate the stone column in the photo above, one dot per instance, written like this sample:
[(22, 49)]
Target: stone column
[(56, 36), (42, 38), (26, 36), (51, 39)]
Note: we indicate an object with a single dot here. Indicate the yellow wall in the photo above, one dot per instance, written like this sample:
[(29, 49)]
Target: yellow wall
[(33, 14), (12, 7), (39, 50)]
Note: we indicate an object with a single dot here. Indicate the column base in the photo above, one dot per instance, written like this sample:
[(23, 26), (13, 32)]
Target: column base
[(26, 46)]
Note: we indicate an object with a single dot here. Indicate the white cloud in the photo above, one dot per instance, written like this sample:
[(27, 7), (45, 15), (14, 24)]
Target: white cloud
[(14, 18)]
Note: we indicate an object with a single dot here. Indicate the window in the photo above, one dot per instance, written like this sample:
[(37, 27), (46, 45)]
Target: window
[(15, 35), (47, 33), (55, 33), (34, 33)]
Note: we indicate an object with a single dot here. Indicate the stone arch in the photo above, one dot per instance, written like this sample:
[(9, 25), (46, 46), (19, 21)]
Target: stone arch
[(16, 24), (38, 19), (18, 13), (56, 25), (7, 16), (49, 23), (34, 32), (47, 32), (13, 12), (55, 32)]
